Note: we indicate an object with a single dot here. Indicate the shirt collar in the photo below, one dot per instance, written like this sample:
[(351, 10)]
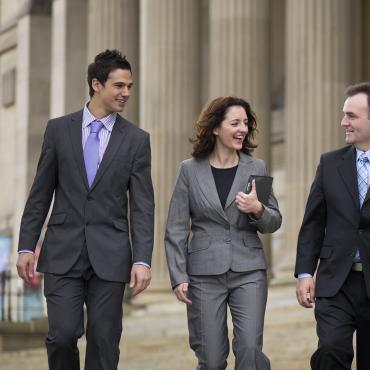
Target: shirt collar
[(359, 152), (108, 121)]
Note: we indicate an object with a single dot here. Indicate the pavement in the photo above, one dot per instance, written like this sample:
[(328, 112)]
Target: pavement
[(155, 336)]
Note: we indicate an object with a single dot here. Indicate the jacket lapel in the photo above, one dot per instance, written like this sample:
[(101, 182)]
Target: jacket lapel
[(75, 131), (207, 185), (245, 169), (115, 140), (348, 172)]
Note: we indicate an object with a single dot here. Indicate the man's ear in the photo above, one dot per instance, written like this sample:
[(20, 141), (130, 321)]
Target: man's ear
[(96, 85)]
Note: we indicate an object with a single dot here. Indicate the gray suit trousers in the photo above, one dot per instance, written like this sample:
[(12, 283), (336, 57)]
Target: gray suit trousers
[(246, 294)]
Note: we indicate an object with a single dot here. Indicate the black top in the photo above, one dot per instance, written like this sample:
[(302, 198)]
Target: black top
[(224, 178)]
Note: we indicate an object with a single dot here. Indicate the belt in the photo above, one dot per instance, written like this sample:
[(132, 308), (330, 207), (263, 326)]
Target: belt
[(356, 266)]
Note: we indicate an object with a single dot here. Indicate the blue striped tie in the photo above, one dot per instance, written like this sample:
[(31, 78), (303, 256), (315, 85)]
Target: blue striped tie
[(91, 151), (362, 177), (362, 180)]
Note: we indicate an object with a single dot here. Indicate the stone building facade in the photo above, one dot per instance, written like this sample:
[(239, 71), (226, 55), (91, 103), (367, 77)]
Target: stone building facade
[(292, 59)]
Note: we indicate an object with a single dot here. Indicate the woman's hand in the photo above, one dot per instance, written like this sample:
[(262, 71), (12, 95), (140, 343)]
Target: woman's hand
[(249, 203), (181, 292)]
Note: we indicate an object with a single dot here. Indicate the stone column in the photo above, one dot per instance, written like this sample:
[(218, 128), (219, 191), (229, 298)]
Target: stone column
[(239, 63), (366, 40), (114, 24), (320, 62), (32, 101), (169, 100), (68, 54)]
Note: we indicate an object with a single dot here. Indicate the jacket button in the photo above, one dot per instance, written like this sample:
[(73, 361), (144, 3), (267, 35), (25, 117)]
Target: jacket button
[(227, 227), (360, 231), (89, 197)]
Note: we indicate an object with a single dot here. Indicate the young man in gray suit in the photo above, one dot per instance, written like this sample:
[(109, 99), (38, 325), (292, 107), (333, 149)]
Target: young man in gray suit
[(89, 161)]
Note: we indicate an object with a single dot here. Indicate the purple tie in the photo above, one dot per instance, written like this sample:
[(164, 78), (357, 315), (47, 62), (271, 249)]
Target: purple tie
[(91, 151)]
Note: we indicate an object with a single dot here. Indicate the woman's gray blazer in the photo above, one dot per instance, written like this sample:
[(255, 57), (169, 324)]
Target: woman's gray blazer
[(220, 239)]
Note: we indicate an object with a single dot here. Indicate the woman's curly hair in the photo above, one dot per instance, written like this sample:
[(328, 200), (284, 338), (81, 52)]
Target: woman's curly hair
[(211, 117)]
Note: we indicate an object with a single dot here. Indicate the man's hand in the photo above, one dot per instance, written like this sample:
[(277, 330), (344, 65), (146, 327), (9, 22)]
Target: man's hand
[(249, 203), (140, 278), (26, 266), (181, 292), (305, 292)]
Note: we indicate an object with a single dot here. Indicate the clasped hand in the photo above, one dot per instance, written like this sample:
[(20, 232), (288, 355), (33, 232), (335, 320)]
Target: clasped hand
[(249, 203)]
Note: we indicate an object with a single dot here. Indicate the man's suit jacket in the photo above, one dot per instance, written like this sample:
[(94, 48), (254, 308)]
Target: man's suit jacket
[(222, 239), (334, 225), (96, 215)]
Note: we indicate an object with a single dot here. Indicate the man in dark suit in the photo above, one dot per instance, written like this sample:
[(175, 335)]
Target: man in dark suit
[(90, 160), (336, 232)]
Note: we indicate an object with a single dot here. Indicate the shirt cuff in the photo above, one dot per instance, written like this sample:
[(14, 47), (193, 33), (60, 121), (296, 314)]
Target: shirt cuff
[(25, 251), (142, 263), (304, 275)]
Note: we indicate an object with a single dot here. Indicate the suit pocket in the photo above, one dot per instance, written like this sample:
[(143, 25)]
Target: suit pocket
[(252, 242), (57, 219), (120, 224), (197, 245), (326, 251)]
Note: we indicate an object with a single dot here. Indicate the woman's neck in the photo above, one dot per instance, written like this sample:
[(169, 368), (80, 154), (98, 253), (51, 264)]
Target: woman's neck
[(223, 158)]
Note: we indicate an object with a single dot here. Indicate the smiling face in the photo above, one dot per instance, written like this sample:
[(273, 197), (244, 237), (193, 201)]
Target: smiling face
[(232, 131), (356, 122), (114, 94)]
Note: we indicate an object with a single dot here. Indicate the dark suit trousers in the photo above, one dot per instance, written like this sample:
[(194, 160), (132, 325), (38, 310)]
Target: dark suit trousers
[(66, 296), (337, 319)]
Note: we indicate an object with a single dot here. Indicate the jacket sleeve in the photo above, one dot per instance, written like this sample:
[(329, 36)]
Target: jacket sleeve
[(178, 230), (41, 194), (312, 232), (142, 204), (271, 218)]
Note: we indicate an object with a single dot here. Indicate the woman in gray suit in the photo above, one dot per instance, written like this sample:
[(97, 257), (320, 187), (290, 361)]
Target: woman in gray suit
[(223, 264)]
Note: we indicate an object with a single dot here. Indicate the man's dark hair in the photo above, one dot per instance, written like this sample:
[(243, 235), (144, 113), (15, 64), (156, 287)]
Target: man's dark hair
[(104, 63), (360, 88), (211, 117)]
